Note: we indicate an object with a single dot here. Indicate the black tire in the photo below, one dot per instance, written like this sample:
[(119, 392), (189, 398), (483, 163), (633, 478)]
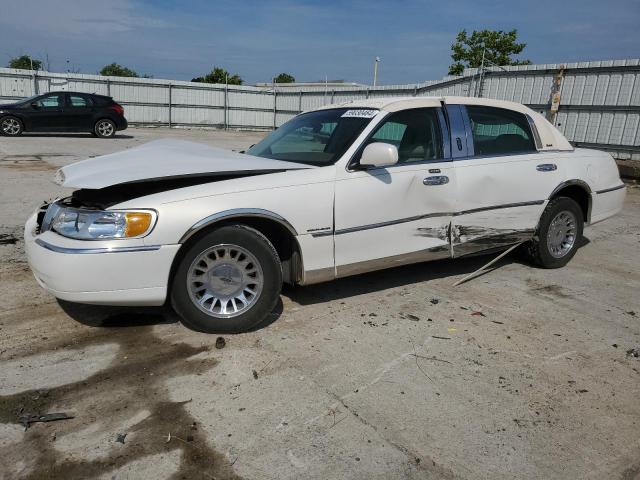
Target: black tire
[(11, 126), (257, 245), (104, 128), (538, 251)]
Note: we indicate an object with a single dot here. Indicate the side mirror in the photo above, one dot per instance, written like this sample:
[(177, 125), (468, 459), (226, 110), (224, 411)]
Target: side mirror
[(379, 155), (35, 105)]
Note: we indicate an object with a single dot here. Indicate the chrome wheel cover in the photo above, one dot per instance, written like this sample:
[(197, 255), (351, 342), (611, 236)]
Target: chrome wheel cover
[(104, 128), (10, 126), (225, 281), (561, 235)]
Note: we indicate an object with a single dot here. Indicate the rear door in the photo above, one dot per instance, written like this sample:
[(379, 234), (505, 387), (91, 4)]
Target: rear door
[(501, 182), (398, 214), (46, 113), (79, 112)]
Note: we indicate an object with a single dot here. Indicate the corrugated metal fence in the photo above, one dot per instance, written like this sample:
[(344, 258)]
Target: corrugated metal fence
[(599, 102)]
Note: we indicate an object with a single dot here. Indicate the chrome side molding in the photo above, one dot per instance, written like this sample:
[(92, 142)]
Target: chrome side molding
[(234, 213), (58, 249)]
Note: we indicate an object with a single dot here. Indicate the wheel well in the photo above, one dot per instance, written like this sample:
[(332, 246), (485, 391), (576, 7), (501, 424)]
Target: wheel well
[(280, 237), (579, 195)]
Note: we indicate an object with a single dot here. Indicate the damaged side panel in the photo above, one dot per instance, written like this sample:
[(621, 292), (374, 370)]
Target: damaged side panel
[(493, 229)]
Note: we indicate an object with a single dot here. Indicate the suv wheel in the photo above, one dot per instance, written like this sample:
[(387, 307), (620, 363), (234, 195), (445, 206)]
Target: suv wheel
[(105, 128), (10, 126), (559, 233), (228, 281)]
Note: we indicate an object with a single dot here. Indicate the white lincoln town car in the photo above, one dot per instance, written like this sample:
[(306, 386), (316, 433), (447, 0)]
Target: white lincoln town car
[(338, 191)]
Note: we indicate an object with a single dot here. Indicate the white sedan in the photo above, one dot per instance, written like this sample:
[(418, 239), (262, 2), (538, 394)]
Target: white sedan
[(338, 191)]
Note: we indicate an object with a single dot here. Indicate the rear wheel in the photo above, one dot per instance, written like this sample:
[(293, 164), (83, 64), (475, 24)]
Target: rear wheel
[(559, 234), (228, 281), (104, 128), (10, 126)]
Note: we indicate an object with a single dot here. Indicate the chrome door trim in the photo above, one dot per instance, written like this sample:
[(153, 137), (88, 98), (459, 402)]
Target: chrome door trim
[(69, 250), (235, 213), (430, 215)]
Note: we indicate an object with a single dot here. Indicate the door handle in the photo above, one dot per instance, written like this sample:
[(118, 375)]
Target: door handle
[(436, 180), (547, 167)]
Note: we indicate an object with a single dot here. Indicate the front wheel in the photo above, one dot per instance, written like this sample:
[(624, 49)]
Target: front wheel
[(558, 236), (228, 281), (104, 128), (10, 126)]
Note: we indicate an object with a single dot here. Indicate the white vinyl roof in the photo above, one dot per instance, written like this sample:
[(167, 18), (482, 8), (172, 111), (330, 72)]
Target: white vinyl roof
[(550, 137)]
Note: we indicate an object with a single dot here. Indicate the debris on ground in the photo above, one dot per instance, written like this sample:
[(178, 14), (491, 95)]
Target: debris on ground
[(434, 301), (496, 321), (255, 374), (6, 239), (120, 437), (220, 342), (633, 352), (632, 313), (477, 314), (440, 338), (415, 318), (27, 420), (615, 345)]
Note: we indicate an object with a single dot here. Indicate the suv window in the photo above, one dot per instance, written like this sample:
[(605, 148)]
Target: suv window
[(79, 101), (498, 131), (415, 132), (51, 101)]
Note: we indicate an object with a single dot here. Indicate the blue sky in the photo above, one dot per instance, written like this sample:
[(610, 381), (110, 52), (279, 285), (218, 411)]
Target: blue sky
[(180, 39)]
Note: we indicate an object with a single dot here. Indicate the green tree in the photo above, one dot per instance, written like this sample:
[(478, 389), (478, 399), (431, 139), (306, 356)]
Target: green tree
[(116, 70), (498, 47), (219, 75), (284, 78), (24, 62)]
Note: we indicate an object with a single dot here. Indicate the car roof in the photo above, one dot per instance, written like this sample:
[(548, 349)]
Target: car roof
[(394, 104), (76, 93), (550, 136)]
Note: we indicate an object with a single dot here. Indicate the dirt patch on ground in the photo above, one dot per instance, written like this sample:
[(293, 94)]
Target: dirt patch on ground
[(34, 163), (110, 397)]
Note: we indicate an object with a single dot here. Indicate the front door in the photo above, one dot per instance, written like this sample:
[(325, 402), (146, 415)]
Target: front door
[(46, 113), (402, 213), (503, 183)]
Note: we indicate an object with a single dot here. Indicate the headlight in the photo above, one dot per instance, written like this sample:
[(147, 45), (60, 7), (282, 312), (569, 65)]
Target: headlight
[(103, 225)]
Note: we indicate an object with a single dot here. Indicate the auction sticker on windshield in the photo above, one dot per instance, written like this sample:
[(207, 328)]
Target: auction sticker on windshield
[(360, 113)]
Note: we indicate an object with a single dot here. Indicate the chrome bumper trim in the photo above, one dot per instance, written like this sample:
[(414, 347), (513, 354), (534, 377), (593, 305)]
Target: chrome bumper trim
[(57, 249)]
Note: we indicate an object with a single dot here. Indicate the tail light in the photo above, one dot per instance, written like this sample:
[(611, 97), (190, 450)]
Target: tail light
[(117, 108)]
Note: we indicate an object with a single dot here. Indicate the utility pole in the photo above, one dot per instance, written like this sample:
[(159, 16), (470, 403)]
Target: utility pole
[(481, 77), (375, 71)]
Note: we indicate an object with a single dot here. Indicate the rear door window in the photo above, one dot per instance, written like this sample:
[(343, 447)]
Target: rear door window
[(498, 131), (79, 101)]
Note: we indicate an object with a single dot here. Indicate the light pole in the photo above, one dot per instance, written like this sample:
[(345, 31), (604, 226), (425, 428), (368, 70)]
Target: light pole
[(375, 71)]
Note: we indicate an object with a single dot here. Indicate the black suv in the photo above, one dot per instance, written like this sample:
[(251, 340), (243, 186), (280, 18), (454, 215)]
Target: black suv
[(63, 112)]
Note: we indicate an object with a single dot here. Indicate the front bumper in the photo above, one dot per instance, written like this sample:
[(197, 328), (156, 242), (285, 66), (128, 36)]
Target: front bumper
[(99, 272)]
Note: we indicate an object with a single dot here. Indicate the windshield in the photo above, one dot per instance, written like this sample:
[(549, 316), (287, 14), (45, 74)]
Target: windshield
[(315, 138), (28, 99)]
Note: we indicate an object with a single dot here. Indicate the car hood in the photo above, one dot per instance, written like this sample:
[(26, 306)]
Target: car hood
[(162, 159)]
